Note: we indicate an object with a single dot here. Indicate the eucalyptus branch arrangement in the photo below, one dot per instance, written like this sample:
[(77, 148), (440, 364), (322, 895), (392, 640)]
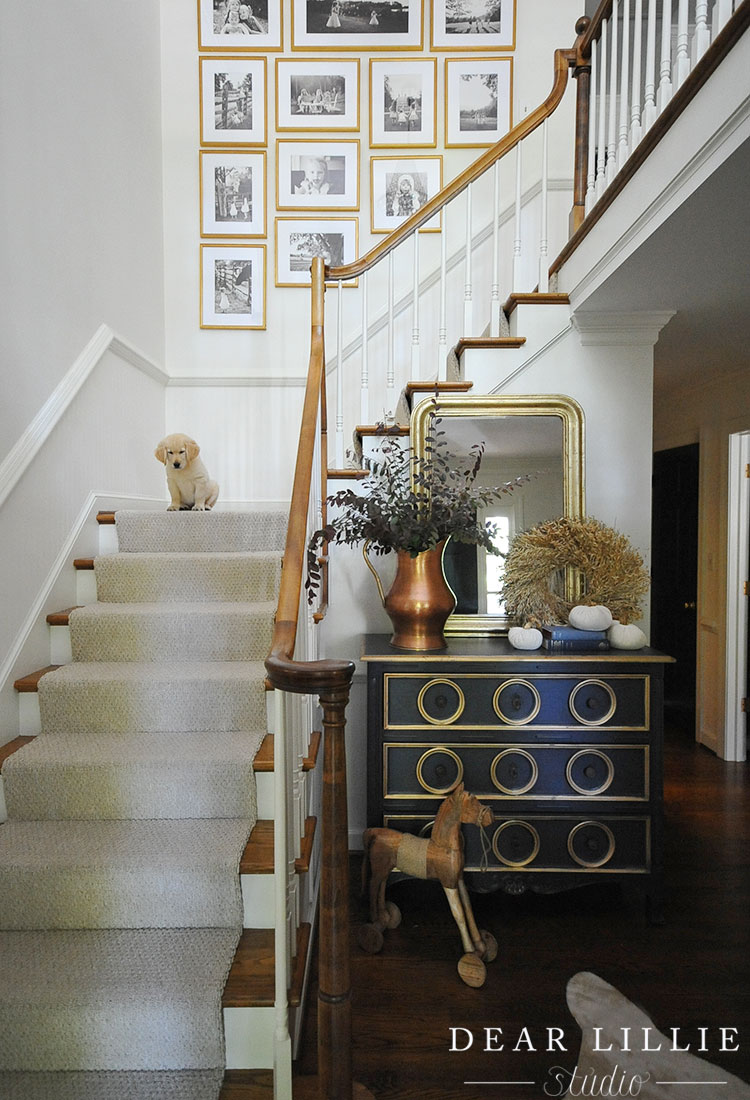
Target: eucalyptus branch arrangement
[(411, 503)]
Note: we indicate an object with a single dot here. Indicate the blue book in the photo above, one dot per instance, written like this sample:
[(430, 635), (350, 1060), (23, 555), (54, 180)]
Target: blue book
[(568, 639)]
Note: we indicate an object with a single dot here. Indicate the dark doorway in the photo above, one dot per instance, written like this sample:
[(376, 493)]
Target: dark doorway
[(674, 577)]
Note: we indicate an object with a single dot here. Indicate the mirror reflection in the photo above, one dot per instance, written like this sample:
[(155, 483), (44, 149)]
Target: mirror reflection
[(540, 436)]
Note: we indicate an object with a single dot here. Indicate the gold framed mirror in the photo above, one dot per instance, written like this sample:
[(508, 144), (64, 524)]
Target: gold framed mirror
[(540, 435)]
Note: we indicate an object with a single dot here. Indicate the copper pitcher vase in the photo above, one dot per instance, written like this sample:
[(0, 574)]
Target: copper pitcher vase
[(419, 601)]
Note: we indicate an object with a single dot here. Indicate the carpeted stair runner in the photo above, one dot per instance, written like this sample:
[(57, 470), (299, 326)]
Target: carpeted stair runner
[(120, 904)]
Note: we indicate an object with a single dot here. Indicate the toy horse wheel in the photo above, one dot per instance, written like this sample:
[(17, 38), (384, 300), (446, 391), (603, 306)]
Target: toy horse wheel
[(394, 915), (472, 970), (370, 938), (490, 945)]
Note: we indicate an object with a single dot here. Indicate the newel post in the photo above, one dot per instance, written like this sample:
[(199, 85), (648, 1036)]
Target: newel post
[(582, 74)]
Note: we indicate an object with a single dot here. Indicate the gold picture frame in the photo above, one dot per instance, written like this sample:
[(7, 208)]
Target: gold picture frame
[(362, 25), (403, 102), (317, 94), (478, 101), (221, 26), (233, 100), (488, 26), (233, 286), (298, 240), (317, 175), (399, 186), (232, 193)]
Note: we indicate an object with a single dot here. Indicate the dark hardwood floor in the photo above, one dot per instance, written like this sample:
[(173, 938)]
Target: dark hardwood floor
[(692, 972)]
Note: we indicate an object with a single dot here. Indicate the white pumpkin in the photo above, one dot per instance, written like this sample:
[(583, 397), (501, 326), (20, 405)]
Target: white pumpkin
[(597, 617), (525, 637), (626, 636)]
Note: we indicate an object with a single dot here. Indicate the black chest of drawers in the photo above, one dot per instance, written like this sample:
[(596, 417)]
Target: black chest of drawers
[(566, 749)]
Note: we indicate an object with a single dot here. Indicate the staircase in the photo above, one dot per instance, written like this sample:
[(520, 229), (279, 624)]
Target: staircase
[(136, 900)]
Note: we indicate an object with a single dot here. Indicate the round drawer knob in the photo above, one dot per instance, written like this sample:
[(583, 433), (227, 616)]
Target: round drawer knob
[(514, 771), (516, 843), (592, 702), (441, 702), (591, 844), (516, 702), (439, 770), (590, 772)]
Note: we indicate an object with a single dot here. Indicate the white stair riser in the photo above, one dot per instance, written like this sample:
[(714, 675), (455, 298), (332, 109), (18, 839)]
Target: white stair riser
[(108, 538), (59, 645), (257, 901), (248, 1033), (85, 586), (29, 720), (264, 794)]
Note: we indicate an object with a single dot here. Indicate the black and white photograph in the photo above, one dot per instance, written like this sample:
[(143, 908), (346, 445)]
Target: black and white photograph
[(317, 175), (233, 286), (299, 241), (402, 102), (317, 95), (401, 186), (233, 194), (233, 101), (236, 24), (478, 97), (347, 24), (474, 24)]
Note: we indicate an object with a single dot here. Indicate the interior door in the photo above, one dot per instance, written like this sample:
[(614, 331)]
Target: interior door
[(674, 577)]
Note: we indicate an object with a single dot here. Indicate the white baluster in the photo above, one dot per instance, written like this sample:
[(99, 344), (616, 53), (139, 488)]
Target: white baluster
[(364, 401), (390, 378), (682, 57), (612, 113), (622, 138), (543, 242), (601, 160), (517, 224), (649, 90), (635, 95), (415, 365), (442, 365), (702, 36), (665, 64), (593, 103), (340, 377), (495, 291), (722, 12), (468, 289), (282, 1044)]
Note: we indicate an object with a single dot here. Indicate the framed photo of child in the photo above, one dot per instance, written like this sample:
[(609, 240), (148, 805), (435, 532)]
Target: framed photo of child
[(474, 25), (233, 100), (299, 240), (233, 286), (478, 97), (402, 102), (357, 24), (317, 175), (233, 194), (317, 95), (400, 186), (239, 25)]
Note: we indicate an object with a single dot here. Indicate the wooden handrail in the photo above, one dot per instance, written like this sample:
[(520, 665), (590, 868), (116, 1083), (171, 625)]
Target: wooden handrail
[(564, 59), (594, 28)]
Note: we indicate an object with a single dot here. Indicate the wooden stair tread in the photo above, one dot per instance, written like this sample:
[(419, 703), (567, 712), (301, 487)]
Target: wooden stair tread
[(83, 563), (251, 977), (440, 387), (31, 681), (381, 429), (247, 1084), (257, 858), (105, 517), (309, 762), (534, 299), (61, 618), (358, 473), (488, 342), (12, 746)]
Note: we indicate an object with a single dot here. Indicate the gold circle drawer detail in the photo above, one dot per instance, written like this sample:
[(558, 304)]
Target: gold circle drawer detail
[(592, 702), (439, 770), (441, 702), (591, 844), (590, 771), (514, 771), (517, 702), (516, 843)]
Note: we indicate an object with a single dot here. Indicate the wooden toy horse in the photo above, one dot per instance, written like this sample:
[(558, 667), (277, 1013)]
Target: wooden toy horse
[(441, 856)]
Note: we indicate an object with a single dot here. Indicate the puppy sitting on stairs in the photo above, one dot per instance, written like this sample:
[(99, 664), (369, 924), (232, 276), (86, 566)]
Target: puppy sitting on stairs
[(188, 482)]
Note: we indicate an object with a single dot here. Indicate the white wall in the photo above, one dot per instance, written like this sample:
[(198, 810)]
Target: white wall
[(80, 191)]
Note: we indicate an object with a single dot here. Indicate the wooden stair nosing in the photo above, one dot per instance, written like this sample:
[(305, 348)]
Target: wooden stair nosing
[(250, 983), (83, 563), (439, 387), (499, 342), (30, 682), (247, 1084), (10, 747), (534, 298), (257, 858), (309, 762), (344, 474), (381, 429), (61, 618), (105, 517)]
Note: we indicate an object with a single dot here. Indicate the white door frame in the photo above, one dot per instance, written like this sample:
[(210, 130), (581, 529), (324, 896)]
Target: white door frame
[(738, 545)]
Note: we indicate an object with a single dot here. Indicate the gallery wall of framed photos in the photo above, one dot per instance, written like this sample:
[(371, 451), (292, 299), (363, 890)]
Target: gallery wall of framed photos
[(324, 123)]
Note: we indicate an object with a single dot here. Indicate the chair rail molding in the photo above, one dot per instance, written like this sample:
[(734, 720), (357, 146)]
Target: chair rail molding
[(23, 452), (605, 329)]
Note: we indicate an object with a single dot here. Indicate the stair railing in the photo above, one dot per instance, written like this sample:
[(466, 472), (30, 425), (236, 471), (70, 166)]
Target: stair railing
[(294, 671), (474, 257)]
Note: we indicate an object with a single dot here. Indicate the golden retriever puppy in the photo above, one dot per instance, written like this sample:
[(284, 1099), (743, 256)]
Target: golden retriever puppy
[(187, 478)]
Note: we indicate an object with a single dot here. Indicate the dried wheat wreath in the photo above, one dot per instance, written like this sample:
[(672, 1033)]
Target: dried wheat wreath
[(613, 572)]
